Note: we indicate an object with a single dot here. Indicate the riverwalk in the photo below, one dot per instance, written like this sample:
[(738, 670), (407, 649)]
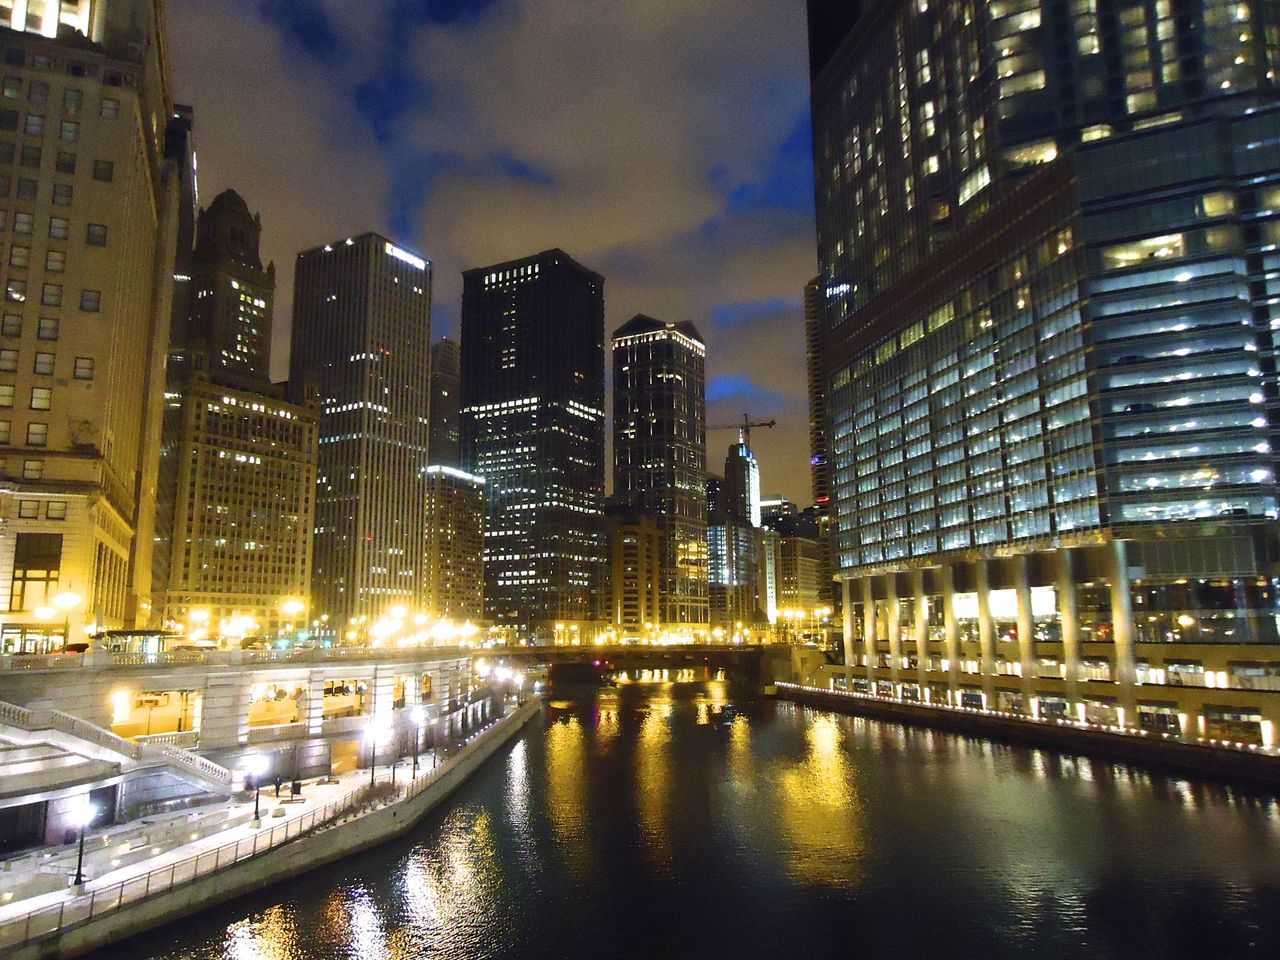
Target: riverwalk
[(1228, 762), (338, 819)]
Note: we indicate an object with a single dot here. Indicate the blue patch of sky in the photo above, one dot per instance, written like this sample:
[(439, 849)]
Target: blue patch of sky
[(753, 311), (306, 25), (786, 183), (737, 386)]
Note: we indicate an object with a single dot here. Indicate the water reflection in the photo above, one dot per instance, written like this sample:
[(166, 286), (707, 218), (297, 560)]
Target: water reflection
[(667, 819), (817, 811)]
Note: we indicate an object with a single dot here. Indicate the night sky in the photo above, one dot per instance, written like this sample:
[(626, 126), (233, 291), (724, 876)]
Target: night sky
[(664, 143)]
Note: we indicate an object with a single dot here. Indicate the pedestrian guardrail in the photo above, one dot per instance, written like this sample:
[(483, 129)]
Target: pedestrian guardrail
[(76, 910), (1135, 733)]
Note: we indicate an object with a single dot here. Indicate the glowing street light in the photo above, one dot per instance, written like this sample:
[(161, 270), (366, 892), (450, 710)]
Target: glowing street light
[(419, 717), (377, 732), (256, 767), (81, 817)]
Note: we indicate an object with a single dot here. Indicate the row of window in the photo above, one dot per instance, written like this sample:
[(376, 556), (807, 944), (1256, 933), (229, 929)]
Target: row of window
[(43, 365), (72, 98), (33, 126), (46, 328), (59, 227), (53, 509), (51, 295), (63, 193), (37, 433), (65, 161)]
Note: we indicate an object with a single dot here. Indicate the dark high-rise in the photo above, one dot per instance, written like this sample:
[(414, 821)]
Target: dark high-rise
[(362, 330), (1046, 235), (819, 450), (533, 428), (742, 483), (446, 403), (660, 454)]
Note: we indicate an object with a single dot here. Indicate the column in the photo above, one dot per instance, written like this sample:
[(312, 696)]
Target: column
[(1124, 670), (986, 633), (850, 642), (315, 704), (952, 628), (922, 627), (1070, 624), (895, 629), (1026, 632), (869, 628)]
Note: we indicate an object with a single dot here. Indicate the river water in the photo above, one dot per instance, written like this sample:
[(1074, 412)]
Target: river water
[(674, 821)]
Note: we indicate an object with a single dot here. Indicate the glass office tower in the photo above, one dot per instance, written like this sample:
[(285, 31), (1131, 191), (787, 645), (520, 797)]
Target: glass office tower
[(1047, 250)]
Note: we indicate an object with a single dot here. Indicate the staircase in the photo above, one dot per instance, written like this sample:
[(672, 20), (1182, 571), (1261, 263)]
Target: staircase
[(70, 735)]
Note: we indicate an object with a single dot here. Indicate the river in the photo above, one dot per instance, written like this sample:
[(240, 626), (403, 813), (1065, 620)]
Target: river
[(672, 821)]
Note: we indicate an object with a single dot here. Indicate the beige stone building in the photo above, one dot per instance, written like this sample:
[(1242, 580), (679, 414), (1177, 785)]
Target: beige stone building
[(87, 207), (634, 572), (454, 545), (238, 473)]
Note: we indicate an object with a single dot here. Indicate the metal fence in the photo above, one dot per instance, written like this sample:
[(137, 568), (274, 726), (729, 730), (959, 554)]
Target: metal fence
[(57, 918)]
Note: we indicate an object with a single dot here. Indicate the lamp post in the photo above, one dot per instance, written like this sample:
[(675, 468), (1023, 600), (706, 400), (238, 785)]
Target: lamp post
[(419, 717), (292, 608), (376, 732), (256, 767), (82, 816), (66, 602)]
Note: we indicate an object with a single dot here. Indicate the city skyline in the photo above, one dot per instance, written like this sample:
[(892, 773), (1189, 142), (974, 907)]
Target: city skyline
[(728, 250)]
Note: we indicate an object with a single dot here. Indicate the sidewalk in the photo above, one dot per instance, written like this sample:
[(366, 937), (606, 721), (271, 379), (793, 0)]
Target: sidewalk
[(238, 809)]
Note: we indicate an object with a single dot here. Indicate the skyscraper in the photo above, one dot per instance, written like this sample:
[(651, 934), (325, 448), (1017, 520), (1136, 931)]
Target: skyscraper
[(1045, 332), (742, 483), (660, 454), (445, 446), (533, 428), (819, 451), (819, 460), (90, 204), (453, 557), (236, 504), (362, 330)]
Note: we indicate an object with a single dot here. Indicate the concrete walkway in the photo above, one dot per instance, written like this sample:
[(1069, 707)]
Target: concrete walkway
[(235, 862), (101, 862)]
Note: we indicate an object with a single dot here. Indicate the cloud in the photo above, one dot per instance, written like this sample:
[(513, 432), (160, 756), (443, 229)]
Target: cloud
[(271, 125), (662, 143)]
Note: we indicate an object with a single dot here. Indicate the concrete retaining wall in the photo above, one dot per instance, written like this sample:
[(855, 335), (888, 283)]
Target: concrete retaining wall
[(1235, 766), (284, 862)]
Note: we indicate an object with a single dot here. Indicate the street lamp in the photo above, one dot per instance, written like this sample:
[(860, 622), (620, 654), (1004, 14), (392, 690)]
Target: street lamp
[(292, 608), (256, 767), (66, 602), (419, 718), (376, 732), (82, 815)]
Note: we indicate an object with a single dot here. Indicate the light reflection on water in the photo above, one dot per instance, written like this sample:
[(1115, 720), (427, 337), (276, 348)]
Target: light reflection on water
[(662, 819)]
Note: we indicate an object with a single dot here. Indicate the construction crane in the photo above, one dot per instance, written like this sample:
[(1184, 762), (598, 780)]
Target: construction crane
[(744, 428)]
